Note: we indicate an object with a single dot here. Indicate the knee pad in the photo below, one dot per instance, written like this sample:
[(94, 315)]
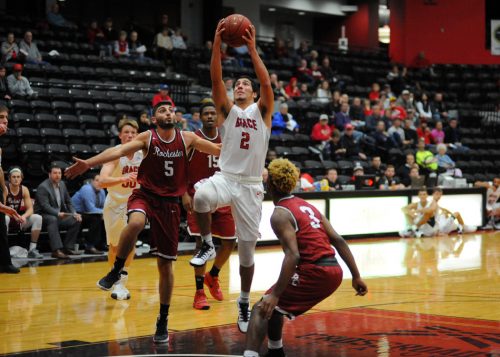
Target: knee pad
[(37, 222), (205, 199), (246, 252)]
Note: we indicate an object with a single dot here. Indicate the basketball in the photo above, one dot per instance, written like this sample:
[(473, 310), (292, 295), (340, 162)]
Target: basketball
[(235, 28)]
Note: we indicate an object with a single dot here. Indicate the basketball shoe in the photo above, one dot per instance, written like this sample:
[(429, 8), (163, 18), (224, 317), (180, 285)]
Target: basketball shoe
[(278, 352), (212, 282), (206, 253), (161, 334), (120, 292), (109, 281), (243, 315), (200, 300)]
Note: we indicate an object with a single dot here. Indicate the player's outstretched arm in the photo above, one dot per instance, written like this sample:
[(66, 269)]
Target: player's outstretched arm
[(266, 101), (222, 102), (194, 141), (281, 222), (341, 246), (106, 180), (111, 154)]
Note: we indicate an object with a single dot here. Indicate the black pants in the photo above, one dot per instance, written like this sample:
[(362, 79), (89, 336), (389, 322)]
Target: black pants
[(4, 243), (95, 224)]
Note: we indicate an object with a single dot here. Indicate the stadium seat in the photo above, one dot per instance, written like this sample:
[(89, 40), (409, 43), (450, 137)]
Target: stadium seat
[(40, 106), (105, 108), (24, 120), (67, 121), (98, 148), (58, 94), (345, 167), (107, 121), (343, 179), (62, 107), (282, 151), (328, 164), (51, 136), (46, 121), (96, 136), (19, 106), (89, 122), (57, 152), (78, 95), (74, 136), (314, 167), (27, 136), (32, 159), (81, 151)]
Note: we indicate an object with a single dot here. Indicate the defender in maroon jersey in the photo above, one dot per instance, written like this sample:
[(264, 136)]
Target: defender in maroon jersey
[(309, 273), (163, 179), (202, 166)]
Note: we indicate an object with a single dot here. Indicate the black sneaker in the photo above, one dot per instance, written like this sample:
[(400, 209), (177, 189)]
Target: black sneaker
[(109, 281), (279, 352), (161, 334), (206, 253)]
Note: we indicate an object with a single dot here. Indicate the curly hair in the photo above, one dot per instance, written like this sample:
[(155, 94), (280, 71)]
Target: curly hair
[(283, 175)]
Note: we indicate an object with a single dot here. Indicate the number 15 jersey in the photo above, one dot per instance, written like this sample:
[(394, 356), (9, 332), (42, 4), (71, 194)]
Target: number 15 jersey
[(202, 165), (245, 139)]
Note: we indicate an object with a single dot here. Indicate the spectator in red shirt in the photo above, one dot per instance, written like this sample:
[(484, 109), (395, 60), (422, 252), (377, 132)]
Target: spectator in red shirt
[(292, 89), (375, 92), (397, 111), (303, 72), (94, 33), (424, 132), (163, 95), (321, 131)]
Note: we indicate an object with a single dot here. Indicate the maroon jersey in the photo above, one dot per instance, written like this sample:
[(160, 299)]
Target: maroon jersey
[(16, 201), (163, 170), (202, 165), (312, 240)]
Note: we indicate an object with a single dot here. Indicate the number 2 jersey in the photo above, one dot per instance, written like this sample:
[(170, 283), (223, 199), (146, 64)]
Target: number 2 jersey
[(312, 240), (245, 139), (120, 193), (202, 165), (163, 170)]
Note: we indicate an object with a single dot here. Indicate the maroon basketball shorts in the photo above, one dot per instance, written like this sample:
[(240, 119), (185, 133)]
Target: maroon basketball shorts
[(222, 224), (163, 214)]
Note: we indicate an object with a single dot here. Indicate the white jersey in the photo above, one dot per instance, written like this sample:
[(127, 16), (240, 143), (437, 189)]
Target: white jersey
[(121, 192), (245, 139), (419, 207)]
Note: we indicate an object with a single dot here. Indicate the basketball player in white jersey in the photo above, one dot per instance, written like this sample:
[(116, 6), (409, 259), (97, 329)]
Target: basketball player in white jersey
[(447, 221), (245, 126), (119, 177), (420, 216)]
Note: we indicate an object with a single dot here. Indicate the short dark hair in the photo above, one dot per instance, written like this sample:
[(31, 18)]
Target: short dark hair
[(159, 104), (423, 189), (206, 104), (437, 189), (255, 86), (53, 166)]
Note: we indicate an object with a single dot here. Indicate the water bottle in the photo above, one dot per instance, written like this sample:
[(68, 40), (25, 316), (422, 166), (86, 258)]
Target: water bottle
[(324, 185)]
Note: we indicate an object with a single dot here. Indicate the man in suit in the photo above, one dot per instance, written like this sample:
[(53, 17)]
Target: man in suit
[(54, 204)]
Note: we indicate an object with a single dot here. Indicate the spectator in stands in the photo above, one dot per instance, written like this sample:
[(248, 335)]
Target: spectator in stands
[(163, 95), (452, 136), (163, 45), (367, 108), (337, 150), (135, 47), (292, 89), (315, 72), (206, 52), (120, 47), (405, 101), (420, 61), (372, 120), (270, 156), (398, 134), (389, 181), (351, 144), (425, 159), (439, 108), (280, 49), (53, 203), (164, 25), (178, 39), (10, 49), (395, 78), (226, 58), (404, 171), (445, 163), (144, 121), (358, 170), (437, 133), (383, 140), (19, 85), (18, 197), (376, 168), (327, 71), (228, 83), (283, 121), (321, 132), (414, 174), (342, 118), (193, 122), (374, 94), (303, 49), (332, 178), (89, 202), (334, 103), (424, 107), (110, 36), (4, 86), (29, 49), (306, 182), (54, 18), (410, 134), (356, 112), (181, 121), (397, 111), (95, 34), (304, 91), (424, 132), (323, 93), (304, 73)]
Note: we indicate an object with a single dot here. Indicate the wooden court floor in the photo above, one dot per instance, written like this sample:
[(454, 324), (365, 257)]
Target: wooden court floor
[(427, 297)]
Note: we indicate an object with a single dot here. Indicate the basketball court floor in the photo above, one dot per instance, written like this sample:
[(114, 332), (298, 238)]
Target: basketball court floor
[(427, 297)]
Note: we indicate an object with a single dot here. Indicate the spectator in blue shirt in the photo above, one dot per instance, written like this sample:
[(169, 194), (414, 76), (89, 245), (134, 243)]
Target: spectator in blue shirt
[(283, 121), (342, 118), (89, 201)]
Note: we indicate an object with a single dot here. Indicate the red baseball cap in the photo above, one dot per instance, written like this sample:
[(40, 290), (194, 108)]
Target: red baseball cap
[(349, 127), (17, 67)]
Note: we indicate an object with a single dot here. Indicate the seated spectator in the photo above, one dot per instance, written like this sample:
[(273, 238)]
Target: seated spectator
[(206, 53), (367, 108), (270, 156), (437, 133), (372, 120), (374, 94), (376, 168), (351, 144), (163, 95), (342, 118), (315, 72), (292, 90), (164, 25), (94, 33), (405, 101), (178, 39), (10, 49), (225, 57), (110, 36), (19, 86), (283, 121), (29, 49), (135, 48), (356, 113), (53, 203), (389, 181), (278, 90), (323, 93), (337, 151), (163, 45), (54, 18), (411, 135), (306, 182), (397, 111), (334, 103), (425, 159), (89, 202), (423, 132), (144, 121), (327, 71), (358, 170), (383, 140), (280, 49), (414, 174), (303, 49), (120, 47), (398, 134), (404, 171), (439, 108), (332, 178), (321, 132), (304, 91), (445, 163), (452, 136), (181, 121), (424, 107), (18, 197), (194, 121), (4, 86), (304, 73)]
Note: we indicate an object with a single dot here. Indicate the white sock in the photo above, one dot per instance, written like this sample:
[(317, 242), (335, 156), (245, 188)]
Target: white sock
[(245, 296), (208, 239), (274, 345), (250, 353), (32, 246)]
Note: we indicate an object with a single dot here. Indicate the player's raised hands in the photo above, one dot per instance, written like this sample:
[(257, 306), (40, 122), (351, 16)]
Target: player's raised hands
[(249, 37), (78, 168), (219, 30)]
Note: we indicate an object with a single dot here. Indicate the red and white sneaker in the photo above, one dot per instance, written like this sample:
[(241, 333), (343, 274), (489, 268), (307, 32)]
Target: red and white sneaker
[(200, 300), (212, 282)]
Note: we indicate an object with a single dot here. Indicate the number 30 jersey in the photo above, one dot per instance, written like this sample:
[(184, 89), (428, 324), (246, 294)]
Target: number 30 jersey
[(120, 193), (202, 165), (312, 240), (245, 139), (163, 170)]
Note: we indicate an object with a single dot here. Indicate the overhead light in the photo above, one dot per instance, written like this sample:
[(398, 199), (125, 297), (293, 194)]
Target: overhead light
[(384, 34), (271, 9), (302, 13)]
